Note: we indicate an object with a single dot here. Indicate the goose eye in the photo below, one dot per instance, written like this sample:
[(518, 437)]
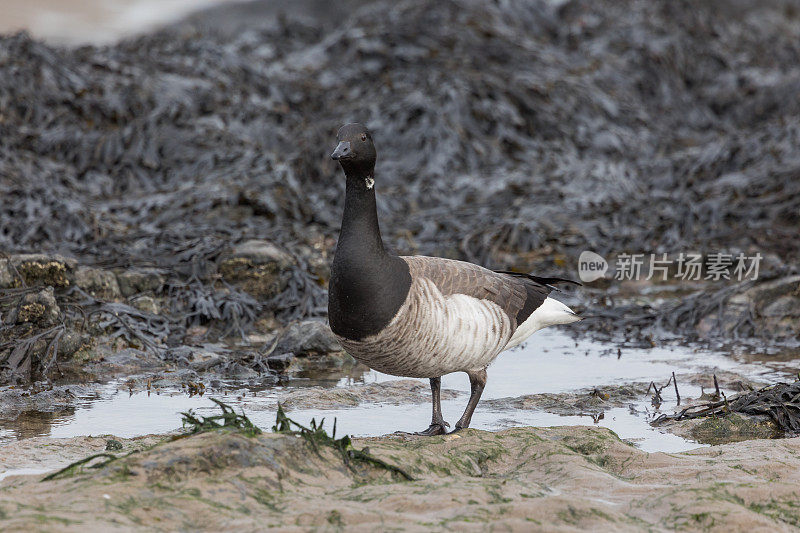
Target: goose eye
[(363, 136)]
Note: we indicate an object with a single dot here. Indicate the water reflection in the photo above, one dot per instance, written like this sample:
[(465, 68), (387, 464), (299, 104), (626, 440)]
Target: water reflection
[(34, 424), (555, 363)]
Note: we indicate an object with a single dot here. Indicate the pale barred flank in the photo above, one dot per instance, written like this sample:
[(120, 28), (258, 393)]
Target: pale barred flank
[(432, 335)]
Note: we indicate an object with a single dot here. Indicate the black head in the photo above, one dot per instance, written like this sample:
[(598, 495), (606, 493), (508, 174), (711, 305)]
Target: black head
[(355, 151)]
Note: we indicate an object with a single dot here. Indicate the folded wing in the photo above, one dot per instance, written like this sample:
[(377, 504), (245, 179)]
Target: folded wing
[(517, 296)]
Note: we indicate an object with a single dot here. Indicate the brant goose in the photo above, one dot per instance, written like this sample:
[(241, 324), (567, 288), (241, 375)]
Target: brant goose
[(421, 316)]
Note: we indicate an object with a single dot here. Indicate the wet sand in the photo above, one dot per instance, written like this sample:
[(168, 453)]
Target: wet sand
[(522, 479)]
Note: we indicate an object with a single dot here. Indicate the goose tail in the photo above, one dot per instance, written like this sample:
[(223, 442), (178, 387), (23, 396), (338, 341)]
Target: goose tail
[(550, 313)]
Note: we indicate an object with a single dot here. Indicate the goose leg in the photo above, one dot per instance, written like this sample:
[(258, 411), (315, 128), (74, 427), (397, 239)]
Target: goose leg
[(477, 381), (438, 424)]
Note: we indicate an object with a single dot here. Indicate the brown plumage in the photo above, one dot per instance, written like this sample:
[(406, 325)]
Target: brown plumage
[(517, 296)]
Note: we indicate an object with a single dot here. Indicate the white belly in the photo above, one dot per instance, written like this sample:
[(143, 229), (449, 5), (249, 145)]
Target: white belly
[(433, 335)]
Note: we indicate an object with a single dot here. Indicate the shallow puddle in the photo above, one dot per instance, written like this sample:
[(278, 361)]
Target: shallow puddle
[(22, 472), (552, 363)]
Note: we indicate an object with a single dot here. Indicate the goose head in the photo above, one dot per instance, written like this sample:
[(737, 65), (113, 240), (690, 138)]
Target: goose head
[(355, 151)]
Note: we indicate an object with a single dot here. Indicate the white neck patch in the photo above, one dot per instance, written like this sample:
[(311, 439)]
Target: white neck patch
[(370, 182)]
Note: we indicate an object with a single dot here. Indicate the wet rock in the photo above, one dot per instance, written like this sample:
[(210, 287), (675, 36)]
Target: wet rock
[(783, 307), (48, 453), (280, 362), (143, 280), (582, 402), (7, 277), (308, 337), (258, 267), (727, 381), (39, 269), (71, 342), (222, 362), (37, 308), (404, 391), (101, 284), (307, 347), (325, 365), (723, 430), (769, 309), (123, 362), (231, 368), (148, 304), (197, 358), (777, 307), (39, 399), (168, 381)]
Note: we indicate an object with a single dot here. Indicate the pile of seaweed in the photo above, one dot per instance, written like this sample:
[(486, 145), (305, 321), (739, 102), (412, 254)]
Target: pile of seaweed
[(779, 402), (513, 134)]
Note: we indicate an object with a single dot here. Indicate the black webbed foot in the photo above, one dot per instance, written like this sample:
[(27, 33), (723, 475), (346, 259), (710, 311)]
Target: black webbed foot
[(434, 429)]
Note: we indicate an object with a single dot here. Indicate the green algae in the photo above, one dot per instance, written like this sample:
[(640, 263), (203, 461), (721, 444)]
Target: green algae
[(316, 436)]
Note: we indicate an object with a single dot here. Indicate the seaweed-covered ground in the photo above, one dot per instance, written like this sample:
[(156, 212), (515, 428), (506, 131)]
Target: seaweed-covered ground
[(193, 162), (522, 479), (170, 212)]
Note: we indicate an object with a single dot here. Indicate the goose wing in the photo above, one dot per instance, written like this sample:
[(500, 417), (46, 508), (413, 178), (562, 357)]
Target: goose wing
[(517, 296)]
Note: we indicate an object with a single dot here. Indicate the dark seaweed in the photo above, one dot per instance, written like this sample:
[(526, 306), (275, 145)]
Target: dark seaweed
[(780, 402), (513, 134), (227, 420), (507, 127), (316, 436), (27, 352)]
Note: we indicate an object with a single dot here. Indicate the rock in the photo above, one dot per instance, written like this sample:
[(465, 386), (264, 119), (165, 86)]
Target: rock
[(197, 358), (101, 284), (148, 304), (770, 309), (582, 402), (397, 392), (115, 362), (37, 308), (71, 341), (262, 252), (785, 306), (723, 430), (238, 371), (327, 365), (258, 267), (763, 294), (777, 307), (280, 362), (40, 269), (140, 280), (308, 337), (308, 347), (7, 277), (46, 453), (14, 401)]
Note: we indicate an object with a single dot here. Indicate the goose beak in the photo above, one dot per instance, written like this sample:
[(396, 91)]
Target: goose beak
[(342, 151)]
